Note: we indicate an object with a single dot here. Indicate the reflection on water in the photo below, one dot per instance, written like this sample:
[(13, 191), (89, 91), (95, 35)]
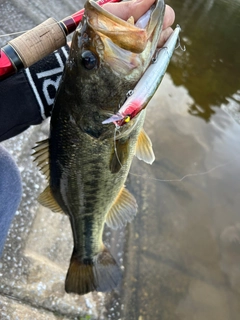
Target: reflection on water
[(211, 66), (182, 252)]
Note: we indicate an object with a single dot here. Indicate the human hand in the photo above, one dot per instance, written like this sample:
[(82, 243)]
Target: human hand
[(137, 8)]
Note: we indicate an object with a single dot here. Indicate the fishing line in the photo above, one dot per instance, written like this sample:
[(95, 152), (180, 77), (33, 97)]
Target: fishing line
[(115, 146), (23, 31), (13, 34), (184, 177)]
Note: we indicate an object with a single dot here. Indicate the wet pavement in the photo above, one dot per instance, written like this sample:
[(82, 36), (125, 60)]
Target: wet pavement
[(181, 254)]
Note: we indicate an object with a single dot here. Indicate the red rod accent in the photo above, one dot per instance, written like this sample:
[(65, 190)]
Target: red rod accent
[(6, 66)]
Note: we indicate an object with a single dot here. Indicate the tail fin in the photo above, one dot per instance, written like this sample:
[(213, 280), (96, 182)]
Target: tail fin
[(102, 274)]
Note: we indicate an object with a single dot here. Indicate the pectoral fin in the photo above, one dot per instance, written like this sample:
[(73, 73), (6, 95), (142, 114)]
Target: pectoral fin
[(41, 156), (123, 210), (46, 199), (144, 149)]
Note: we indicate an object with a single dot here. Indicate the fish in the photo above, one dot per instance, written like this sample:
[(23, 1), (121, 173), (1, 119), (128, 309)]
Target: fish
[(85, 161)]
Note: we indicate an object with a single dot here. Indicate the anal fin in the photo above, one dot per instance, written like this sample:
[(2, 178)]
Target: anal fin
[(144, 149), (123, 210)]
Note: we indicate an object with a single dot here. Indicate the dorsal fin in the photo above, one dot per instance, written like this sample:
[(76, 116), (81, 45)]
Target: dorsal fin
[(41, 156), (46, 199), (144, 149), (123, 210)]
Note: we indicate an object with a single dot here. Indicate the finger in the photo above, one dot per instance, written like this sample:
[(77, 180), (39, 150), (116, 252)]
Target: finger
[(125, 10), (137, 8), (164, 36), (169, 17)]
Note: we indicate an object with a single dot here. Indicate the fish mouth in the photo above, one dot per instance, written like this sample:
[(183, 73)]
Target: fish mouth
[(125, 45)]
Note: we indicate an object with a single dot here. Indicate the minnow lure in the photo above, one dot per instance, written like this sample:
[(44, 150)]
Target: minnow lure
[(138, 98)]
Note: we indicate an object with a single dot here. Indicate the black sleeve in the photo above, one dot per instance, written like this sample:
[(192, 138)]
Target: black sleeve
[(27, 97)]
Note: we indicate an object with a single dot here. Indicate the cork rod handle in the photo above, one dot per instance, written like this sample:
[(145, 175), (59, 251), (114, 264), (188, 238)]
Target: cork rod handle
[(39, 42)]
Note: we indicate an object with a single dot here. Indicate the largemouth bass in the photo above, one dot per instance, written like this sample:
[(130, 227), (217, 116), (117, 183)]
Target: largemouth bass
[(86, 161)]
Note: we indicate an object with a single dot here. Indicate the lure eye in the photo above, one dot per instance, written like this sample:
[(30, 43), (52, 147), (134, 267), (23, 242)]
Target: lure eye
[(89, 60)]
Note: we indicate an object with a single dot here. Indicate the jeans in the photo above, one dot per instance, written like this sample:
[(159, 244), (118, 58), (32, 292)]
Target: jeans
[(10, 193)]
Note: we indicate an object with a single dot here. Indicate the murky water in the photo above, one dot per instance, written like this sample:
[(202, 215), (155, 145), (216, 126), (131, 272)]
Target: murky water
[(182, 252)]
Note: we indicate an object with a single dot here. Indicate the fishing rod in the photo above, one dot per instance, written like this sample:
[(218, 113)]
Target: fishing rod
[(37, 43)]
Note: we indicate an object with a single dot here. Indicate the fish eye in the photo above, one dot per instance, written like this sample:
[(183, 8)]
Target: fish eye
[(89, 60)]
